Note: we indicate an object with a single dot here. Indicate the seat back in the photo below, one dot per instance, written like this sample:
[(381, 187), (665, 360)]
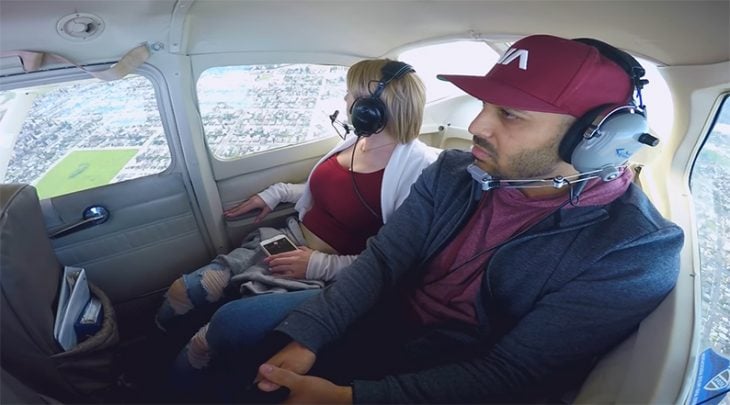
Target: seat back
[(29, 277), (650, 365)]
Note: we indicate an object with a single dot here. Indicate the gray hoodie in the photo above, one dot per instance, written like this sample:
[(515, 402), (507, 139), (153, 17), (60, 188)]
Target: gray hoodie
[(551, 300)]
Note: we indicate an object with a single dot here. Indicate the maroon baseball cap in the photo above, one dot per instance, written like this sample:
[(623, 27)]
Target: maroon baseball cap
[(550, 74)]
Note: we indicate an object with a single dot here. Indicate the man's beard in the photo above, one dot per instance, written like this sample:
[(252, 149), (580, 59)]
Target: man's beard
[(529, 164)]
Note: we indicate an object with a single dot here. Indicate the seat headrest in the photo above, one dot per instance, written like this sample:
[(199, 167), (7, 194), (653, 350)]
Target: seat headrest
[(30, 269)]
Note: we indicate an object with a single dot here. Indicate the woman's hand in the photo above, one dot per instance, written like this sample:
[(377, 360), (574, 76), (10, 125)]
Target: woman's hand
[(251, 204), (290, 264)]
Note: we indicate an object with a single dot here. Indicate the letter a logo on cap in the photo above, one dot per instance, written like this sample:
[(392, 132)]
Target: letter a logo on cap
[(513, 54)]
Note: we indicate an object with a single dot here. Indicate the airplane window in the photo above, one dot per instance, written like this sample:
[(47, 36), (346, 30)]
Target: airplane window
[(711, 197), (457, 57), (250, 109), (78, 135)]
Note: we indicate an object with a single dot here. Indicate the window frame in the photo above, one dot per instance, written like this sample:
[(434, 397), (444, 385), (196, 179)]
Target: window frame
[(723, 101), (70, 74)]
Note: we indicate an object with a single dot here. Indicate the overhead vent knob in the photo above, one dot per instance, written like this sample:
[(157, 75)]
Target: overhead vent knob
[(80, 26)]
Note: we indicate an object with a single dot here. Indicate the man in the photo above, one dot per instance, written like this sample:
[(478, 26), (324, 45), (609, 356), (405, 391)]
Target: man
[(473, 294)]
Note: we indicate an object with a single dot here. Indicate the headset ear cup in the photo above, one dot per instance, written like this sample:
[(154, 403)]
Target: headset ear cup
[(368, 116), (620, 135), (575, 133)]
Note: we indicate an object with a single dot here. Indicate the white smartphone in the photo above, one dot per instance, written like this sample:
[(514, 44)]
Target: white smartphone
[(277, 244)]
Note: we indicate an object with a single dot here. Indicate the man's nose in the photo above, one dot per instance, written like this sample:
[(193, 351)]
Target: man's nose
[(483, 124)]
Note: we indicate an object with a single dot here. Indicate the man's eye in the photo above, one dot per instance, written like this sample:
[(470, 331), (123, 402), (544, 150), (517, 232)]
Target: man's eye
[(507, 114)]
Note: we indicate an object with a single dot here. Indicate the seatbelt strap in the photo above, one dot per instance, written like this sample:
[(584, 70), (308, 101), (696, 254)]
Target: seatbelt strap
[(33, 61)]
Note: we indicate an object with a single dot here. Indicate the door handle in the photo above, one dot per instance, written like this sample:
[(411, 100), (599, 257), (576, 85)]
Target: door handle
[(94, 215)]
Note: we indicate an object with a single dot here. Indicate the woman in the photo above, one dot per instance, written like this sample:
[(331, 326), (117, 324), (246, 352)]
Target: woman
[(350, 193)]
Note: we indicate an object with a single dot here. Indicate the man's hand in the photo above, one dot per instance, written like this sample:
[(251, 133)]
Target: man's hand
[(305, 389), (293, 357), (251, 204), (291, 264)]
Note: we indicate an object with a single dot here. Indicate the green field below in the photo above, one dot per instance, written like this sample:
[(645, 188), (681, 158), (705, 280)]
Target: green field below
[(83, 169)]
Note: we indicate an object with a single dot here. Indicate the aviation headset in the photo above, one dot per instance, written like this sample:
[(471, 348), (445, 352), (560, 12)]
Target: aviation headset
[(369, 115), (604, 138)]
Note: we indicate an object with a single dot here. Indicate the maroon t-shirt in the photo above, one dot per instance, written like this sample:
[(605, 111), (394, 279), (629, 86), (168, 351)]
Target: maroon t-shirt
[(337, 216), (453, 278)]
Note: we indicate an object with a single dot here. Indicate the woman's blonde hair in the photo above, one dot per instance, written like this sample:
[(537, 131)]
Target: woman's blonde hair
[(404, 98)]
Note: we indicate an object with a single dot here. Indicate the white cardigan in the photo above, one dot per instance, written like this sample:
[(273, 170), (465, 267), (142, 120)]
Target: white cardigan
[(401, 171)]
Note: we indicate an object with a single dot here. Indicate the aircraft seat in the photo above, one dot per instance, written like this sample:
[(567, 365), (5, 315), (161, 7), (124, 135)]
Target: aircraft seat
[(29, 281)]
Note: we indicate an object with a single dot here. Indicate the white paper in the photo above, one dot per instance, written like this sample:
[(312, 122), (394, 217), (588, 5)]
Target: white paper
[(63, 293), (73, 296)]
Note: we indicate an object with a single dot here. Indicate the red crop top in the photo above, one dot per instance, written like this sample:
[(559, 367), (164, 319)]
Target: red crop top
[(337, 216)]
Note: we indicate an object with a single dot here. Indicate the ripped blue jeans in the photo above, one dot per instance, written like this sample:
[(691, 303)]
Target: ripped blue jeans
[(219, 360), (240, 272)]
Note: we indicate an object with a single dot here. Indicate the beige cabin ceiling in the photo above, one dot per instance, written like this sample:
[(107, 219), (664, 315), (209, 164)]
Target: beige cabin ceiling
[(652, 28)]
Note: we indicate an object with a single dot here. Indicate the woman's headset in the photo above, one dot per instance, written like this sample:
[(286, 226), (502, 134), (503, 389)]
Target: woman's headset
[(369, 115), (606, 137)]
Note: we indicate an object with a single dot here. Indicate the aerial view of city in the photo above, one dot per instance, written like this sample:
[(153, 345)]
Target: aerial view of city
[(711, 195), (255, 108), (83, 134)]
